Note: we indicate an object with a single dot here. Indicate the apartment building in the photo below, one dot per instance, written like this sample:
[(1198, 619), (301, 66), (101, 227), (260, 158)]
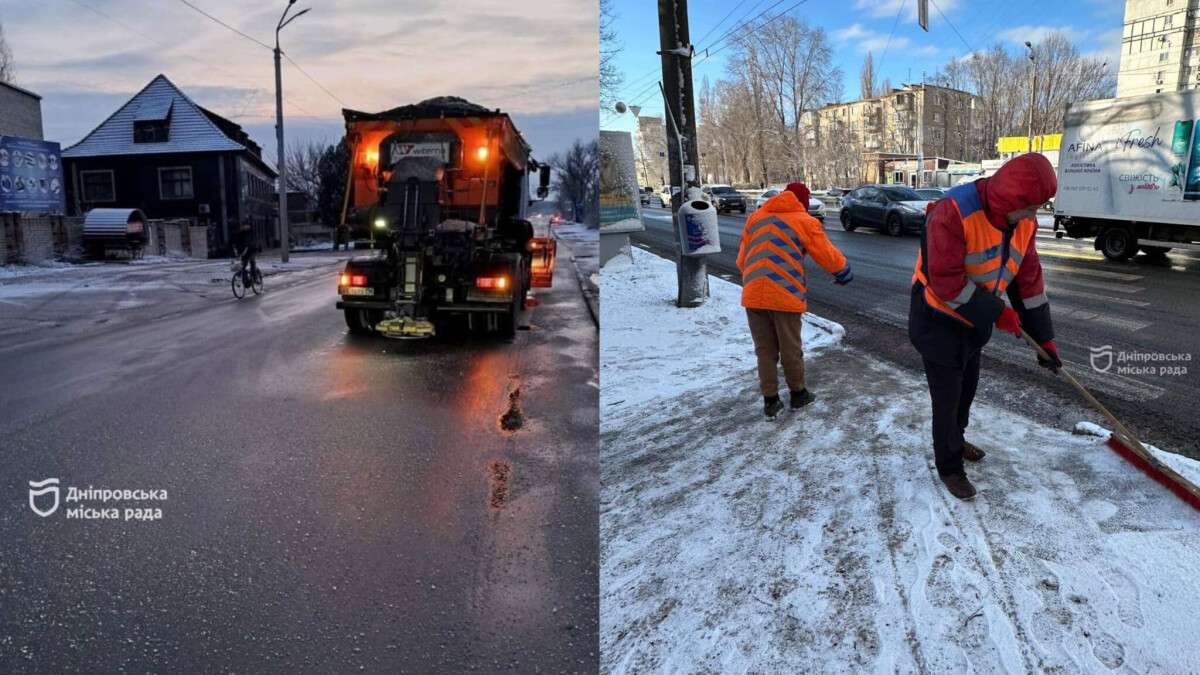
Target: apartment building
[(650, 157), (1158, 50), (917, 119)]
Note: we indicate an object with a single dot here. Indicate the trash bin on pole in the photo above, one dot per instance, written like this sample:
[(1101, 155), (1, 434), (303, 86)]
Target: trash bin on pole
[(703, 234)]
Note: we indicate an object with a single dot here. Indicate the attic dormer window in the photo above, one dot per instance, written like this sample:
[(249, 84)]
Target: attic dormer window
[(151, 131), (152, 122)]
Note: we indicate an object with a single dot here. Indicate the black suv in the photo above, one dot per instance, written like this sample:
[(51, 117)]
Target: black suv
[(725, 198), (894, 209)]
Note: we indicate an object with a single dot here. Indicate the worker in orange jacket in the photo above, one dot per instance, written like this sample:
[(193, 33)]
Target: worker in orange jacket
[(978, 267), (775, 241)]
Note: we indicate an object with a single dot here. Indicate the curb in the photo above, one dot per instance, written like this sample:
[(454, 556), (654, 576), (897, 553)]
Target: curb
[(589, 298)]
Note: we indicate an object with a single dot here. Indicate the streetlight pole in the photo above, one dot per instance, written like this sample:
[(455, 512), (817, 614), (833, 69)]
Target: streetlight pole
[(1032, 90), (284, 235)]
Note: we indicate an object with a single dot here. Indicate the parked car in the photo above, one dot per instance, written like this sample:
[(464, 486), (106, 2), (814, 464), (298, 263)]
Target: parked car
[(646, 195), (816, 207), (932, 194), (725, 198), (894, 209)]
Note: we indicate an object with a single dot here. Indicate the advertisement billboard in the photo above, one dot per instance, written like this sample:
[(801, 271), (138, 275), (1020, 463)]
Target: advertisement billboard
[(31, 176), (1135, 158), (620, 210)]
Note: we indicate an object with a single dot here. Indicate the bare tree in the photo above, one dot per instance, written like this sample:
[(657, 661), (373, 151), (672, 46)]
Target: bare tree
[(610, 76), (8, 71), (866, 78), (303, 160), (577, 181)]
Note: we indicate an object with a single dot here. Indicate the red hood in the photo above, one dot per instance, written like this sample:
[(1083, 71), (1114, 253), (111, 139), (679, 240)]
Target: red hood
[(1023, 181)]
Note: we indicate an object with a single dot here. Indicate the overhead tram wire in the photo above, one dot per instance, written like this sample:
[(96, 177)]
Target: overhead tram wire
[(895, 23), (313, 80), (970, 50)]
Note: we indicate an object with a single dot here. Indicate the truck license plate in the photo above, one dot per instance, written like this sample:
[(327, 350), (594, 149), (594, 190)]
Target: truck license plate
[(360, 290)]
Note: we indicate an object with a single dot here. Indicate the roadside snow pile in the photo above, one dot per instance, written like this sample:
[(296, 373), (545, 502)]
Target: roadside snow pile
[(1188, 468), (651, 348), (823, 542), (41, 268)]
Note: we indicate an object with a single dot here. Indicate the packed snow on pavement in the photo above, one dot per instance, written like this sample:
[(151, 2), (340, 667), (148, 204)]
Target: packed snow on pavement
[(823, 541)]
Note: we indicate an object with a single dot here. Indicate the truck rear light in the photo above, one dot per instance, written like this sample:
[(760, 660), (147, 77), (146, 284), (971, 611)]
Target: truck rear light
[(344, 280), (491, 283), (352, 280)]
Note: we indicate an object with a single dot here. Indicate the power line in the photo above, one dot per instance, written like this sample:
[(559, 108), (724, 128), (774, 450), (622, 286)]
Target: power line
[(718, 24), (895, 23), (952, 27), (314, 81), (222, 23)]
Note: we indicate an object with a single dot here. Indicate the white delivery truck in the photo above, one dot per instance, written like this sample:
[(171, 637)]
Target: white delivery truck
[(1129, 174)]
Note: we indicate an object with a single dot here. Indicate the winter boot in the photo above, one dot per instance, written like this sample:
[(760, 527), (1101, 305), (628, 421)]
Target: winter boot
[(801, 398), (959, 485), (972, 453), (771, 406)]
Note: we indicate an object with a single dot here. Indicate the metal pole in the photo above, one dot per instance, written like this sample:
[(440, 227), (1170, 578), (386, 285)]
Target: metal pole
[(281, 161), (920, 105), (676, 51), (1032, 93)]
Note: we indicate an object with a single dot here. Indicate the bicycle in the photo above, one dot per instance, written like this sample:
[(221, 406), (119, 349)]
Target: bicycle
[(238, 282)]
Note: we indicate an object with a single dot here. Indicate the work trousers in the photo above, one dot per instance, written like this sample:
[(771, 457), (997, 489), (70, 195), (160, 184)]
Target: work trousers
[(951, 390), (777, 337)]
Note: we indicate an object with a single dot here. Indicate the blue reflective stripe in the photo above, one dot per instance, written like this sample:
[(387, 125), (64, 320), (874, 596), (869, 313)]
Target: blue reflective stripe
[(769, 236), (966, 197), (782, 225), (1015, 255), (789, 263), (777, 278)]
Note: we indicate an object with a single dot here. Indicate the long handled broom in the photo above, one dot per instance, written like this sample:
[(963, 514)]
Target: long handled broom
[(1125, 444)]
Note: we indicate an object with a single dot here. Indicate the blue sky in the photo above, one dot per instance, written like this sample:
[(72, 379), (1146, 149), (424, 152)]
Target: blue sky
[(856, 26)]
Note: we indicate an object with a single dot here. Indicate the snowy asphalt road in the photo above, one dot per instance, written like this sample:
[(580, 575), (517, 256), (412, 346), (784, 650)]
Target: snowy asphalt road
[(334, 504), (1141, 305)]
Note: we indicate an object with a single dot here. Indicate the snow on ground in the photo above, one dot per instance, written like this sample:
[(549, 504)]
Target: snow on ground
[(823, 542), (1186, 467), (658, 350)]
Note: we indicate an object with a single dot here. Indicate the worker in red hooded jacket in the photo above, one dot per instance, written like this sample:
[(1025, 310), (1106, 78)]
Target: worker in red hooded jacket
[(978, 248)]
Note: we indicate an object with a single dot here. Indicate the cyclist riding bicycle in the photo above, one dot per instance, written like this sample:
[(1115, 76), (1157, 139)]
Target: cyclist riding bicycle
[(245, 246)]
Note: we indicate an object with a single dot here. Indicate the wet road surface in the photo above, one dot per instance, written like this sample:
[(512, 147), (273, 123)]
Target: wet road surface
[(334, 503)]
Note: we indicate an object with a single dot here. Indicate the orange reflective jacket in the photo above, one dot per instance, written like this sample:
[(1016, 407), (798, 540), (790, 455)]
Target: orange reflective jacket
[(985, 253), (771, 254)]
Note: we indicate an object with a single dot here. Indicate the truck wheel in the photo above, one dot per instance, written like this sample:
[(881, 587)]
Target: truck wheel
[(362, 321), (1119, 244)]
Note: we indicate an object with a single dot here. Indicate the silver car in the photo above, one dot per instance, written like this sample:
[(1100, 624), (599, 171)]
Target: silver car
[(816, 207)]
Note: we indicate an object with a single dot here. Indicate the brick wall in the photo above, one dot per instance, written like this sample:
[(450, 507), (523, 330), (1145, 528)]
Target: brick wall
[(31, 239)]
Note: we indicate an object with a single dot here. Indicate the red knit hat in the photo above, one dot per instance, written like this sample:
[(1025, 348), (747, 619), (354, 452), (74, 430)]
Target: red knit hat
[(801, 191)]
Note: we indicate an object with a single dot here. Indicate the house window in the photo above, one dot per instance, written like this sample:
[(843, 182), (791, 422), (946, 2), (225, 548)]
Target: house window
[(1162, 57), (151, 131), (98, 186), (175, 182)]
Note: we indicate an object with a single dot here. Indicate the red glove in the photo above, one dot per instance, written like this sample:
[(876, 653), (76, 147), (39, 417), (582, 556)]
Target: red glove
[(1053, 363), (1009, 321)]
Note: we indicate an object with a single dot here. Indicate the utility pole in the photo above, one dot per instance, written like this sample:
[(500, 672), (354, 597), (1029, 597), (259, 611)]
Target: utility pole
[(284, 235), (676, 52), (1032, 91)]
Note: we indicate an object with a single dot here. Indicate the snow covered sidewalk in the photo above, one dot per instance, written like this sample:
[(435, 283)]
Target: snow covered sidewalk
[(823, 542)]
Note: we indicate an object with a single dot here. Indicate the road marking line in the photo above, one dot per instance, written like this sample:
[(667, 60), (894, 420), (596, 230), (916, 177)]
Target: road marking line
[(1121, 386), (1119, 276), (1099, 285), (1094, 296), (1071, 256)]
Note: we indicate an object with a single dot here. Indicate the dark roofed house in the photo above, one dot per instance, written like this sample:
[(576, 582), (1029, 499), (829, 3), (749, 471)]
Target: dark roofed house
[(171, 158)]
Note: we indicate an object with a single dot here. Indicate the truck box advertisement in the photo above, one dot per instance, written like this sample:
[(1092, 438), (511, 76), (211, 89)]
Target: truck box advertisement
[(1135, 158), (31, 177)]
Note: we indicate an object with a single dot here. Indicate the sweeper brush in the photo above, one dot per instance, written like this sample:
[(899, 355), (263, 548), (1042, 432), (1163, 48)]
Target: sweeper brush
[(1125, 444)]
